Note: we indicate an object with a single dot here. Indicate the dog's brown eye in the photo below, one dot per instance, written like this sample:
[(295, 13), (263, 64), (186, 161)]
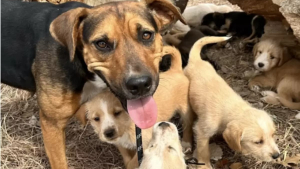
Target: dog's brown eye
[(102, 44), (272, 57), (147, 35), (259, 142), (259, 52), (96, 118), (117, 113)]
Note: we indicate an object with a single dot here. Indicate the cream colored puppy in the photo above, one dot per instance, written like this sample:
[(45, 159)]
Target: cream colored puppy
[(278, 71), (221, 110), (164, 150), (194, 14)]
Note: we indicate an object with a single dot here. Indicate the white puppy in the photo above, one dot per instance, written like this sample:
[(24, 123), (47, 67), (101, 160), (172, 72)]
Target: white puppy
[(194, 14), (164, 150)]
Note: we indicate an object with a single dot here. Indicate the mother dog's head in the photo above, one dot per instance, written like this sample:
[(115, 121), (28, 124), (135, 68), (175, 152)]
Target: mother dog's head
[(120, 42)]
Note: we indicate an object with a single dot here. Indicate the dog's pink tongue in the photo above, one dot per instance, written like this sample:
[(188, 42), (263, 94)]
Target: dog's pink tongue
[(143, 112)]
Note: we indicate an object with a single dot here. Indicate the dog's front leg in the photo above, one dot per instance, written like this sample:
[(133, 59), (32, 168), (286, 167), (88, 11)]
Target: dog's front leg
[(55, 111), (261, 81), (54, 141)]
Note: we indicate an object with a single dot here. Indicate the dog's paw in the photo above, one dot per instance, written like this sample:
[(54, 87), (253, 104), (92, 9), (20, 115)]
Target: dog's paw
[(271, 100), (186, 147), (255, 88), (268, 93)]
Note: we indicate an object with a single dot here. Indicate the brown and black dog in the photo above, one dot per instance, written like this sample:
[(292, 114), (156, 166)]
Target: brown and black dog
[(54, 50)]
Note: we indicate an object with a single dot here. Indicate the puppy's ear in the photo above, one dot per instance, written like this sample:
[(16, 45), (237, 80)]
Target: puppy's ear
[(284, 56), (233, 135), (165, 13), (64, 28), (255, 50), (81, 114)]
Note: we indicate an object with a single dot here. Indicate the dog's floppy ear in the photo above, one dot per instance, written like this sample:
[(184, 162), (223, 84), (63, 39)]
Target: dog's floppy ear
[(65, 27), (81, 114), (254, 51), (233, 135), (284, 56), (165, 13)]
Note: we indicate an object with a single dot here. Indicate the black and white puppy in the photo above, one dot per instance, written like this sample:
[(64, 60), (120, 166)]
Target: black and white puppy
[(236, 23)]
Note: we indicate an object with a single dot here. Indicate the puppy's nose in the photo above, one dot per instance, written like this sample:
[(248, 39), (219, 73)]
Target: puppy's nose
[(261, 64), (139, 85), (275, 155), (109, 133), (164, 125)]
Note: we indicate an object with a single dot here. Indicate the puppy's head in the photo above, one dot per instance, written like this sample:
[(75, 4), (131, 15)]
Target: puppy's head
[(269, 54), (106, 115), (214, 20), (253, 136), (119, 41), (164, 150)]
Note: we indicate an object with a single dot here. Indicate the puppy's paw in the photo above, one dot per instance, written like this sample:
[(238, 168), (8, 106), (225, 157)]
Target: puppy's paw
[(269, 93), (186, 147), (255, 88), (271, 100)]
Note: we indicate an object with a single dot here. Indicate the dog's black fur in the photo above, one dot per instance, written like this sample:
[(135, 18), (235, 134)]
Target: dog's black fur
[(20, 48), (242, 24), (187, 43)]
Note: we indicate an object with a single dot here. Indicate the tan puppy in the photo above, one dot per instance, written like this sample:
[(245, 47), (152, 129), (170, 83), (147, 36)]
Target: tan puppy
[(279, 71), (114, 125), (164, 150), (221, 110)]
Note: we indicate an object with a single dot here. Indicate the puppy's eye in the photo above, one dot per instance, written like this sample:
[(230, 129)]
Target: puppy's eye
[(96, 118), (117, 113), (171, 148), (147, 35), (259, 142), (272, 57), (259, 52)]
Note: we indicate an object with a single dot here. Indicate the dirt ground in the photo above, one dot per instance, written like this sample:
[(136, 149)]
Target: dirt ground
[(22, 146)]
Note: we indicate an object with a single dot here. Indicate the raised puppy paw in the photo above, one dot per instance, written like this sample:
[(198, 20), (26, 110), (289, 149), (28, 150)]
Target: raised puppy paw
[(269, 93), (271, 100)]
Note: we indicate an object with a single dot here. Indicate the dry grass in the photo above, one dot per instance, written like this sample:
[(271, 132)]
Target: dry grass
[(22, 145)]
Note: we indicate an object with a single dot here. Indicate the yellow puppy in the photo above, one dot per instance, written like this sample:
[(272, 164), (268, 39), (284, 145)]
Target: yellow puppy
[(164, 150), (113, 124), (279, 71), (221, 110)]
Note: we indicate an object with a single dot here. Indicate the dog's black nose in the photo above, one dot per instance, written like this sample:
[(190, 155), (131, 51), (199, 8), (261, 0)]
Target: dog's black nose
[(164, 125), (139, 85), (109, 133), (261, 64), (275, 155)]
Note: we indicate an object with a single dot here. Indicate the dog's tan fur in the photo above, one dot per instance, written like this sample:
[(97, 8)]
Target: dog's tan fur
[(170, 96), (280, 72), (164, 150), (221, 110)]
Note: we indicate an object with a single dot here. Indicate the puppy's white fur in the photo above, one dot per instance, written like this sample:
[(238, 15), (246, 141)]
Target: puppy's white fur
[(164, 150), (194, 14), (221, 110)]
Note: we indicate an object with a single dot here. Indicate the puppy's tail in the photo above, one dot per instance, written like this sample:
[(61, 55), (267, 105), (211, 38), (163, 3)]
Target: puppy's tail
[(197, 47), (289, 104)]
